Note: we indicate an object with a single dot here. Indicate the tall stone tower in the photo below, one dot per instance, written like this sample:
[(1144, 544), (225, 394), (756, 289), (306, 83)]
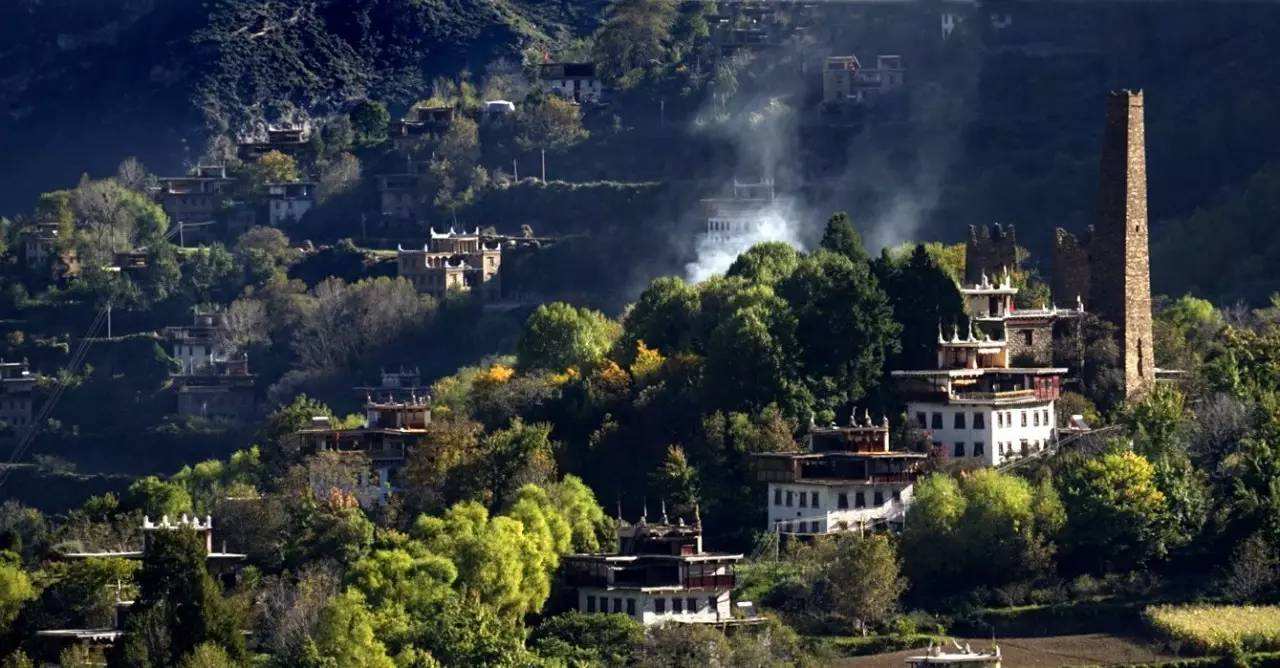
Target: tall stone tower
[(1120, 280)]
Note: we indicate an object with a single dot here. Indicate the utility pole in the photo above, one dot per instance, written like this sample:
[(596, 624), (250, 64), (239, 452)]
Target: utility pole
[(515, 169), (108, 320), (662, 112), (544, 166), (181, 239)]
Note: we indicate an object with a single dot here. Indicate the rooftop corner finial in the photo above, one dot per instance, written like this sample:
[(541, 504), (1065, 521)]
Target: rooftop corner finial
[(866, 415), (941, 338), (955, 332), (853, 416), (644, 510), (664, 512), (971, 337), (1079, 304), (884, 421)]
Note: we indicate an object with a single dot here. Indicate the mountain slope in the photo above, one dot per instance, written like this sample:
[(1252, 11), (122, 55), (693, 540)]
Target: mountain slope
[(84, 83)]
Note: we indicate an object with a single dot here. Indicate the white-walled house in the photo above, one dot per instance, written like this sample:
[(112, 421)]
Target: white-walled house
[(976, 408), (848, 480), (660, 574)]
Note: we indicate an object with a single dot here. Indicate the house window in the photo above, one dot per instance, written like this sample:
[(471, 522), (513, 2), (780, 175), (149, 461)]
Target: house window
[(979, 421), (1026, 337), (804, 500), (591, 604), (617, 605), (788, 498), (1046, 417), (691, 604), (923, 420), (959, 421), (897, 495), (879, 498), (660, 605), (1035, 418), (1024, 417), (860, 500), (631, 607), (978, 449), (712, 603), (677, 606), (777, 497), (842, 501), (959, 451), (937, 420), (813, 499)]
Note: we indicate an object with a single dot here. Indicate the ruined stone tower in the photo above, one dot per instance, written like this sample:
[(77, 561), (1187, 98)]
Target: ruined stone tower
[(1120, 280), (989, 250), (1070, 280)]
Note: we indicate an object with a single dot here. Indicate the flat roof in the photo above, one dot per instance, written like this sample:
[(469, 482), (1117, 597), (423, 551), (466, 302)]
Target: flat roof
[(967, 373)]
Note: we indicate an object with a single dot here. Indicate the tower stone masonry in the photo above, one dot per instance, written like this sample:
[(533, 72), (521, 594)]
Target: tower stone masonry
[(1120, 276), (989, 251)]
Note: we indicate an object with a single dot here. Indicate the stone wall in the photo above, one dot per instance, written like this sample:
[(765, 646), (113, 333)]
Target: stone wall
[(1070, 259), (1120, 278), (1030, 343), (991, 250)]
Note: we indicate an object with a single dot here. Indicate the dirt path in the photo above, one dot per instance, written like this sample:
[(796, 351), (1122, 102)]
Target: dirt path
[(1071, 650)]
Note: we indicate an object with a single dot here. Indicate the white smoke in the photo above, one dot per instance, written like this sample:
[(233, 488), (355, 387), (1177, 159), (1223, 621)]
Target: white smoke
[(776, 221)]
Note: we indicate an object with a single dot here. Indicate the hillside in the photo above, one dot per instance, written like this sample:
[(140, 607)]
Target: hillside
[(148, 77)]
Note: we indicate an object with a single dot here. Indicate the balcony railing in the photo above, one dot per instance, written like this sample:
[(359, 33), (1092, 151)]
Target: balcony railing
[(710, 581)]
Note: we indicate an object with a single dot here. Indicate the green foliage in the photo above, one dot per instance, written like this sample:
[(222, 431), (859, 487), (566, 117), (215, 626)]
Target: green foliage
[(179, 606), (208, 655), (158, 498), (344, 636), (579, 639), (924, 298), (841, 237), (634, 33), (549, 122), (369, 119), (16, 589), (990, 528), (864, 579), (766, 263), (560, 336), (1116, 515), (271, 167)]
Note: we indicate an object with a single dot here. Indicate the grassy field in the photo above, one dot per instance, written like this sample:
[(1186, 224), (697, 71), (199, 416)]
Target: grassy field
[(1213, 629)]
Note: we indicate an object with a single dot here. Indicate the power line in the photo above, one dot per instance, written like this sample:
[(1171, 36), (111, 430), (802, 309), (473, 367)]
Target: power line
[(77, 358)]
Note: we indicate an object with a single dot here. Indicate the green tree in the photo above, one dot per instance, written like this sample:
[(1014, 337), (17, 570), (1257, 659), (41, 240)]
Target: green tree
[(344, 636), (208, 655), (550, 123), (179, 606), (1115, 512), (766, 263), (664, 317), (841, 237), (924, 298), (16, 589), (158, 498), (634, 32), (272, 167), (579, 639), (844, 328), (559, 336), (370, 119), (865, 579)]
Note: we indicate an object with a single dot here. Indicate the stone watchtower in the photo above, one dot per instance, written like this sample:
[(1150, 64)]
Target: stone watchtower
[(1120, 280), (990, 251), (1070, 280)]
